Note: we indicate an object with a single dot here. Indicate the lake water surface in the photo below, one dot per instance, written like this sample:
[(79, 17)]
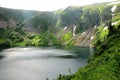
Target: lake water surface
[(40, 63)]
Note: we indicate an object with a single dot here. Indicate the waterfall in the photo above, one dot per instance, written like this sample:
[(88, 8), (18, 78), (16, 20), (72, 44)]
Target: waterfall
[(114, 23), (65, 28), (95, 26), (74, 29), (106, 27), (92, 37), (83, 33), (113, 10)]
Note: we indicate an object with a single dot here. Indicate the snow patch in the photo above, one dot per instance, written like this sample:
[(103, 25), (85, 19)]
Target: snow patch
[(114, 23), (90, 45), (113, 15), (65, 28), (106, 27), (83, 33), (92, 37), (95, 26), (74, 30), (74, 34), (113, 8)]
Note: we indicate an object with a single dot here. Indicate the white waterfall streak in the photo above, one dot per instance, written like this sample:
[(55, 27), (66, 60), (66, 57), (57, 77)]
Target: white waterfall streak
[(92, 37), (113, 8), (83, 33), (65, 28), (114, 23), (106, 27), (74, 29), (95, 26), (90, 45)]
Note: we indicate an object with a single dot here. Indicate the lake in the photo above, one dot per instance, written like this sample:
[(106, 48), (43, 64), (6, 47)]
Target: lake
[(31, 63)]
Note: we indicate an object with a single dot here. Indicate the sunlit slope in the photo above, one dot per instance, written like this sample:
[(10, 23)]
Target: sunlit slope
[(36, 25), (82, 39), (105, 63), (85, 39)]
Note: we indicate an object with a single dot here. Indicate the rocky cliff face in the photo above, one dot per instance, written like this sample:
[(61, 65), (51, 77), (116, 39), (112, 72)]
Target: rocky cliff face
[(83, 39), (79, 22), (3, 24), (10, 23)]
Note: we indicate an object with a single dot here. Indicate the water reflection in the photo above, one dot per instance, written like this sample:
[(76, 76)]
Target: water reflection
[(1, 56), (40, 63)]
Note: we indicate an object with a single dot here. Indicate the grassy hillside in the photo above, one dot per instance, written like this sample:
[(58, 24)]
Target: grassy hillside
[(20, 27), (83, 17), (18, 30), (105, 64)]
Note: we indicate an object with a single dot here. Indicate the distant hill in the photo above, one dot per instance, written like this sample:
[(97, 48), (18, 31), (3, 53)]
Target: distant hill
[(67, 25), (82, 16)]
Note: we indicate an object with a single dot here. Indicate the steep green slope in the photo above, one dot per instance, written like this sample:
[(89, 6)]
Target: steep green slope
[(85, 18), (105, 64)]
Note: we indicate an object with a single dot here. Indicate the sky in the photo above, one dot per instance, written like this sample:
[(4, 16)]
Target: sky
[(46, 5)]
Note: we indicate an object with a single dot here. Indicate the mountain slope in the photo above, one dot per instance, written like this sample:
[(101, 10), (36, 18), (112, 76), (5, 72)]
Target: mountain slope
[(85, 39), (105, 63), (35, 23)]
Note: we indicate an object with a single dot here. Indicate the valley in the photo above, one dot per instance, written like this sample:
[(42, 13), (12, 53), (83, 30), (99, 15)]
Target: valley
[(76, 43)]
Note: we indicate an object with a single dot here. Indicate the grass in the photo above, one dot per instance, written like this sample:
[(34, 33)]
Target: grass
[(105, 64)]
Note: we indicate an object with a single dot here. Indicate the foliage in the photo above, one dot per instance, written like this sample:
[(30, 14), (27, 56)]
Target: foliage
[(5, 43), (105, 63), (45, 38), (84, 17), (18, 37), (43, 21), (71, 15), (89, 18), (71, 42), (101, 35), (67, 36), (105, 13)]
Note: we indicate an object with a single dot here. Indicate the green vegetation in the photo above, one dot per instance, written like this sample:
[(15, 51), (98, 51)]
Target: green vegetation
[(40, 28), (101, 35), (45, 38), (83, 17), (105, 64), (18, 37), (68, 39), (67, 36)]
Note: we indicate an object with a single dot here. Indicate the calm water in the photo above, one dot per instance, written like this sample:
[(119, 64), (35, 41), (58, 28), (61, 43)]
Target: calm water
[(41, 63)]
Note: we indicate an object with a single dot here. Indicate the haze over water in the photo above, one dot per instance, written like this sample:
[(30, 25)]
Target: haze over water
[(41, 63)]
